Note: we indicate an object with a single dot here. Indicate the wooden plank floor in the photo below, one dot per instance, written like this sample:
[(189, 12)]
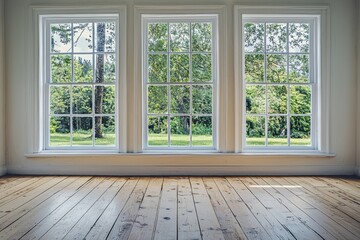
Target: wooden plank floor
[(62, 207)]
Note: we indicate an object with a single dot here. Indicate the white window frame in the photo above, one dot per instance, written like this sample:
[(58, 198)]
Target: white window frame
[(213, 19), (136, 143), (39, 20), (319, 74)]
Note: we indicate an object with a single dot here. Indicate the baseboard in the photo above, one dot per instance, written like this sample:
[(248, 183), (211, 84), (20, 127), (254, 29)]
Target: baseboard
[(178, 170), (3, 171)]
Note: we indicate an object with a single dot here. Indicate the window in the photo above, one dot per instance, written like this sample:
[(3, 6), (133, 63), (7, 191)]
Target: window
[(179, 81), (280, 82), (81, 79)]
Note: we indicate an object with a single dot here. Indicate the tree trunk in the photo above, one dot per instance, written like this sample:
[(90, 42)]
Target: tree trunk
[(99, 90)]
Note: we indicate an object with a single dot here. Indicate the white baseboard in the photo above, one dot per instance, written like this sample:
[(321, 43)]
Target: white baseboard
[(171, 170), (3, 171)]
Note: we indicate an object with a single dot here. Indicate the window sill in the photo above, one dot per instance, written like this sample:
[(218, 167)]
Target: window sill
[(60, 154)]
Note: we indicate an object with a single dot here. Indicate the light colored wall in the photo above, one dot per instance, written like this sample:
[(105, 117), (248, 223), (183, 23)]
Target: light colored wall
[(2, 92), (343, 101)]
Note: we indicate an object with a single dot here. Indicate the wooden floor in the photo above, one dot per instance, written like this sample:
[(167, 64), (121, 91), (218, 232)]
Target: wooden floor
[(179, 208)]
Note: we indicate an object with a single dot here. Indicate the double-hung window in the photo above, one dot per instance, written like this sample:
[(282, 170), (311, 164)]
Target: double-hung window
[(80, 81), (179, 81), (280, 81)]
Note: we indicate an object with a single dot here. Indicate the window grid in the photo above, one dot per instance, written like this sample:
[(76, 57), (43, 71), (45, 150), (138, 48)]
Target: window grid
[(168, 84), (288, 84), (93, 84)]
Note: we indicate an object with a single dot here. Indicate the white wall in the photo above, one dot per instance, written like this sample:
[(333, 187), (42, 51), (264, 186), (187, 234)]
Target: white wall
[(2, 92), (343, 101)]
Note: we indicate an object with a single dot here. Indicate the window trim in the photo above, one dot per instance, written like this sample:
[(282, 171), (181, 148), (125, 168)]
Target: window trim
[(187, 18), (36, 55), (321, 144), (136, 125)]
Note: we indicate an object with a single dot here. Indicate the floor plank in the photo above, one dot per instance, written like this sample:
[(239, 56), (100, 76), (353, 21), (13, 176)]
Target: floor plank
[(61, 207), (188, 224)]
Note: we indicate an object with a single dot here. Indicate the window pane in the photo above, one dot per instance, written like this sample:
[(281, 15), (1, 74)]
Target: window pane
[(254, 37), (59, 131), (105, 37), (157, 131), (255, 99), (157, 37), (179, 37), (254, 68), (104, 99), (180, 131), (83, 68), (300, 130), (299, 37), (277, 131), (276, 37), (201, 37), (179, 68), (82, 131), (276, 68), (157, 99), (105, 131), (60, 35), (157, 68), (82, 100), (83, 40), (299, 68), (202, 99), (255, 131), (180, 99), (202, 131), (277, 99), (61, 70), (60, 100), (201, 68), (300, 99), (105, 68)]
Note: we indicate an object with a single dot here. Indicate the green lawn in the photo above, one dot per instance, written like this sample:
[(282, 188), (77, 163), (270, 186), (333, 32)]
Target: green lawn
[(82, 139)]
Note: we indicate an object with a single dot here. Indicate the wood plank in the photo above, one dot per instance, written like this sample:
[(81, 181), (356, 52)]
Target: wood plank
[(326, 205), (301, 214), (250, 225), (332, 215), (41, 186), (272, 226), (54, 217), (10, 182), (188, 224), (14, 192), (84, 225), (124, 223), (334, 197), (61, 228), (209, 224), (350, 189), (230, 227), (166, 226), (144, 224), (103, 225), (280, 212), (24, 209), (34, 217)]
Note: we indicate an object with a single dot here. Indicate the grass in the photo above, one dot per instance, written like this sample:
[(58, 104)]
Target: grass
[(82, 139)]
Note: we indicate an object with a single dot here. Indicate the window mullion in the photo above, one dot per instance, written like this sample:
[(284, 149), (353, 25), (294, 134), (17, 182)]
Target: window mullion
[(191, 80), (169, 85), (288, 86), (266, 89)]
